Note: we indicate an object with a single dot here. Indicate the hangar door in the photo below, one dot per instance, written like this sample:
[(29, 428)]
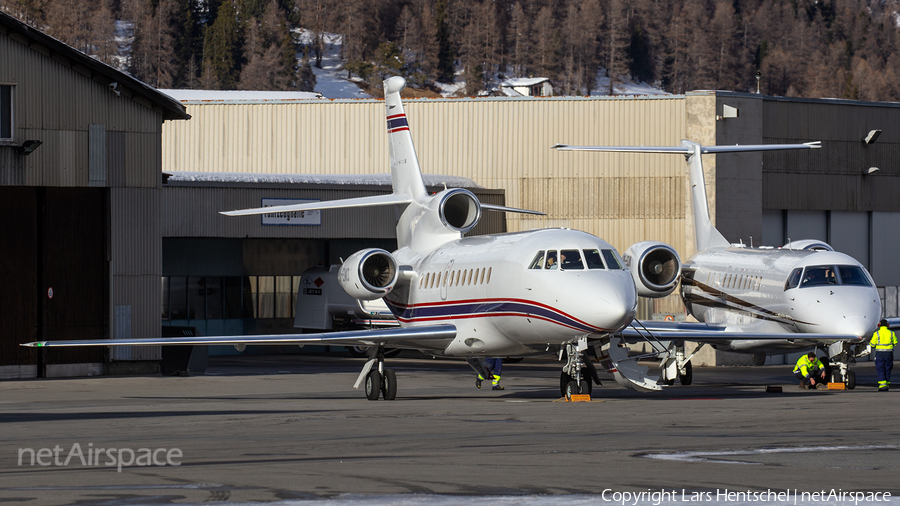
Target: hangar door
[(53, 238)]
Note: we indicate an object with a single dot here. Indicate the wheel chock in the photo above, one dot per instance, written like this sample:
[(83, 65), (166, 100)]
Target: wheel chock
[(773, 389), (580, 398), (837, 386)]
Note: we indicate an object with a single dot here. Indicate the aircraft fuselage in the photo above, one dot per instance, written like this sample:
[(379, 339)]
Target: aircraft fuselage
[(505, 301), (749, 290)]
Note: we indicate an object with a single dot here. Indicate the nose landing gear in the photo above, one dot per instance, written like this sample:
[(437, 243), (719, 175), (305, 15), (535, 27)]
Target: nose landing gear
[(572, 379)]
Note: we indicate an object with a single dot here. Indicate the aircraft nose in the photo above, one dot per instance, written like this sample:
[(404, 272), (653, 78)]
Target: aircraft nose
[(857, 325), (615, 304), (856, 316)]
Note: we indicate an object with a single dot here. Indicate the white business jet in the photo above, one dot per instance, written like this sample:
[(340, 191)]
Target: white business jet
[(760, 301), (504, 295)]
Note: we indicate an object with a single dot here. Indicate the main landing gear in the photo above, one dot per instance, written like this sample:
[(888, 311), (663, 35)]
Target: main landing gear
[(577, 374), (378, 380)]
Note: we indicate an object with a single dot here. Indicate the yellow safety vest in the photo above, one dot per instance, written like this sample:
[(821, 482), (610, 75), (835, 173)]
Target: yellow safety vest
[(884, 339), (803, 365)]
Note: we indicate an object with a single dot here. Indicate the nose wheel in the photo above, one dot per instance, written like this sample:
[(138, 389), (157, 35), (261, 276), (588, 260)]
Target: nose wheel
[(573, 379)]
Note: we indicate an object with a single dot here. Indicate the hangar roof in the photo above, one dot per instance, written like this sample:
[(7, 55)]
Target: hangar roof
[(170, 108)]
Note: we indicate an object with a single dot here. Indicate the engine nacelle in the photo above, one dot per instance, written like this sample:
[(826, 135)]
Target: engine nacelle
[(809, 244), (369, 274), (459, 209), (655, 267)]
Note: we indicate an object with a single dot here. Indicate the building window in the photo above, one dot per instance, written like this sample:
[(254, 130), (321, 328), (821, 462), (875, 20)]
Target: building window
[(6, 112)]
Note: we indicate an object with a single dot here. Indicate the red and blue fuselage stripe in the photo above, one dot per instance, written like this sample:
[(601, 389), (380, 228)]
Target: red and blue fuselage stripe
[(485, 308), (397, 123)]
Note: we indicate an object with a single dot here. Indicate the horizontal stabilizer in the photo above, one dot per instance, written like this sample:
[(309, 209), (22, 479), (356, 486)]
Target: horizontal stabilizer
[(439, 335), (377, 200), (491, 207), (688, 149)]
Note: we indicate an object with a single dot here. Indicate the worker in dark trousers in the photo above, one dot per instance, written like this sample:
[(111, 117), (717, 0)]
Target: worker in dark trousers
[(810, 371), (494, 365), (883, 342)]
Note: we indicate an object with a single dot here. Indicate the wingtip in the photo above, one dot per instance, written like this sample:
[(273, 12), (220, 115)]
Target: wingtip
[(559, 146), (813, 144)]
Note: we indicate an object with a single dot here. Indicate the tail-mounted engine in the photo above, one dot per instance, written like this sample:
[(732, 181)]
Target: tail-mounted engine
[(369, 274), (655, 267), (809, 244), (459, 209)]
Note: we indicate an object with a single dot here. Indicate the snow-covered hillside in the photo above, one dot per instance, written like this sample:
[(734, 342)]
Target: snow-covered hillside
[(332, 82)]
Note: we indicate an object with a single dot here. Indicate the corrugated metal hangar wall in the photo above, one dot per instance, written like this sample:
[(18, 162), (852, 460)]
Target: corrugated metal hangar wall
[(81, 238), (623, 198)]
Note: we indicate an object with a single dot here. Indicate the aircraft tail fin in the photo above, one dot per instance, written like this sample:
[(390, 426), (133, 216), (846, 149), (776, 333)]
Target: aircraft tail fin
[(406, 175), (706, 235)]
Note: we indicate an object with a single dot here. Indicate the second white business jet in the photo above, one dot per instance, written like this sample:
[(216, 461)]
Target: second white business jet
[(760, 301), (504, 295)]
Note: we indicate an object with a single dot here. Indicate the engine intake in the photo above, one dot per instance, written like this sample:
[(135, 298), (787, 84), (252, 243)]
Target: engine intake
[(655, 267), (369, 274), (459, 209)]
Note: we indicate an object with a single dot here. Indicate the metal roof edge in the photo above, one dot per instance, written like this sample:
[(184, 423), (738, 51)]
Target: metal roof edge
[(172, 109)]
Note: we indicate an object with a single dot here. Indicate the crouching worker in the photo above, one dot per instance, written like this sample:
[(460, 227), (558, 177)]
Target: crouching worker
[(810, 371)]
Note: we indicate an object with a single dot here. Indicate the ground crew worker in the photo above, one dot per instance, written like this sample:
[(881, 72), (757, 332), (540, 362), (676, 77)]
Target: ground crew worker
[(494, 365), (883, 342), (810, 371)]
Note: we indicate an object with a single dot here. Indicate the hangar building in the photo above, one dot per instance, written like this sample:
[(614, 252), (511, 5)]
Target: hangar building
[(94, 215)]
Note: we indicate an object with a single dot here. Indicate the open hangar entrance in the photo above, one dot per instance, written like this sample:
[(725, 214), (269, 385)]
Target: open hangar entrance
[(240, 275)]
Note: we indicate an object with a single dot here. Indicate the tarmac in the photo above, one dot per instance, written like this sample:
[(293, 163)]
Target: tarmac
[(289, 427)]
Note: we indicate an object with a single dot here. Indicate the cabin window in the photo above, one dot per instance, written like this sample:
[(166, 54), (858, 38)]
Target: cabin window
[(593, 259), (538, 261), (552, 262), (6, 114), (488, 280), (570, 259), (852, 275), (613, 261)]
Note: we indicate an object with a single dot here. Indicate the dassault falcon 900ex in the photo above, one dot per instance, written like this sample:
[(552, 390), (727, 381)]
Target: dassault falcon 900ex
[(505, 295), (761, 301)]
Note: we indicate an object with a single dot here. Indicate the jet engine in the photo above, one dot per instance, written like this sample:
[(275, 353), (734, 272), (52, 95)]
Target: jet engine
[(459, 209), (809, 244), (655, 267), (369, 274)]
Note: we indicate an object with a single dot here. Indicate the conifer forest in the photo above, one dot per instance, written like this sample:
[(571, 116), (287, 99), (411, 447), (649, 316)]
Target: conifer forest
[(801, 48)]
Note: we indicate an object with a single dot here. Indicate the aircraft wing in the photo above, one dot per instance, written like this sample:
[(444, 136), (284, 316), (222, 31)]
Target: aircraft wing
[(425, 337), (376, 200), (703, 333)]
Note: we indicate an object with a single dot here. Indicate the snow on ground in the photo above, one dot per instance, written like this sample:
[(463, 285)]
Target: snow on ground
[(627, 88), (232, 96), (331, 79), (383, 179)]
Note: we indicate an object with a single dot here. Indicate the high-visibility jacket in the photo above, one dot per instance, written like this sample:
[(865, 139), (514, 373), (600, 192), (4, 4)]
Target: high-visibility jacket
[(805, 364), (884, 339)]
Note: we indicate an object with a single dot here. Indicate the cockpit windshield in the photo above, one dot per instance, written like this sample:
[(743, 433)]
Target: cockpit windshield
[(573, 259), (853, 275), (818, 275), (827, 275)]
